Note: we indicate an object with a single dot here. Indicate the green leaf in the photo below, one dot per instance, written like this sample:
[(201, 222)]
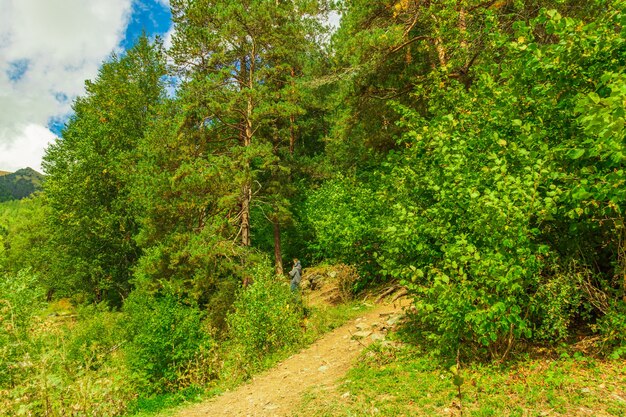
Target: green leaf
[(575, 153)]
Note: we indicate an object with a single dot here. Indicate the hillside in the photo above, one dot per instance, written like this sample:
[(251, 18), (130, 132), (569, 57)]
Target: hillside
[(19, 184)]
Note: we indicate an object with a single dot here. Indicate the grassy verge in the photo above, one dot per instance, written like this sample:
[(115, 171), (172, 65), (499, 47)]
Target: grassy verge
[(320, 320), (403, 380)]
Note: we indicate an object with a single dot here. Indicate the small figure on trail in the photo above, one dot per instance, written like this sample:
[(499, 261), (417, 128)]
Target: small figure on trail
[(295, 274)]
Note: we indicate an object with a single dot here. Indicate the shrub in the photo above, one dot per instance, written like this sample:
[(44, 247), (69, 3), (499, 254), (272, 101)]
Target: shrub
[(20, 300), (165, 335), (57, 363), (612, 327), (345, 221), (266, 317), (557, 301)]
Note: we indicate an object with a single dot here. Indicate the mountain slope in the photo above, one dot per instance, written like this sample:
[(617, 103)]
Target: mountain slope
[(19, 184)]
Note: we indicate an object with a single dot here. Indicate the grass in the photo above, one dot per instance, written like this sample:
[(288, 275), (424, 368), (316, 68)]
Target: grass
[(165, 404), (404, 380), (320, 320)]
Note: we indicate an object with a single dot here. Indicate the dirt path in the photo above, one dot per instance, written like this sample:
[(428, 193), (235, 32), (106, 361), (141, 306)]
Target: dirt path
[(278, 391)]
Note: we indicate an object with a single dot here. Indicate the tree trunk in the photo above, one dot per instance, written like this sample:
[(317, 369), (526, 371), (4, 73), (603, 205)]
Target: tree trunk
[(292, 117), (245, 214), (439, 47), (463, 25), (247, 141), (277, 255), (292, 134), (622, 257)]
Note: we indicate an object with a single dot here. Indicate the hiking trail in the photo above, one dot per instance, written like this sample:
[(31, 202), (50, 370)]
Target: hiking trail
[(277, 392)]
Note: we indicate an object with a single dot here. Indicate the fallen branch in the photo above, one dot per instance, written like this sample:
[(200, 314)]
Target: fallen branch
[(404, 292), (388, 291)]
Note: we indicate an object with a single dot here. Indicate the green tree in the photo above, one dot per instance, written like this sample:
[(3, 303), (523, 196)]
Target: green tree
[(92, 218), (24, 239), (465, 120), (230, 137), (501, 221)]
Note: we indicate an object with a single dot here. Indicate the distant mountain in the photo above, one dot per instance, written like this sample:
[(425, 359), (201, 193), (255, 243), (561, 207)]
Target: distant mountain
[(19, 184)]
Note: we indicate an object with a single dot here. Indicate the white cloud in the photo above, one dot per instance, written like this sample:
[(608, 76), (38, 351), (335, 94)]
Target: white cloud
[(55, 45), (168, 37), (32, 140)]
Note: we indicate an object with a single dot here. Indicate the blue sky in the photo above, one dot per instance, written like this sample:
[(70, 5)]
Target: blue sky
[(150, 15), (48, 48)]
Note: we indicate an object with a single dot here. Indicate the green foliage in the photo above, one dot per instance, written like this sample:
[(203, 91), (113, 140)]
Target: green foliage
[(243, 97), (266, 318), (187, 226), (153, 404), (165, 334), (612, 326), (20, 300), (61, 363), (345, 222), (24, 239), (506, 169), (89, 176)]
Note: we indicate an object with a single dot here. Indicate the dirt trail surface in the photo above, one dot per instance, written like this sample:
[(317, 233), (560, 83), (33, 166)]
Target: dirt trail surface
[(278, 391)]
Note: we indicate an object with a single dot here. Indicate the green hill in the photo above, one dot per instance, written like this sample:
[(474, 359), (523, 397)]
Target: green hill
[(19, 184)]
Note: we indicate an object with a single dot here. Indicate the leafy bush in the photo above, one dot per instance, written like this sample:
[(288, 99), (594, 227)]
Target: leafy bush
[(612, 326), (21, 300), (165, 336), (266, 317), (557, 301), (499, 184), (58, 363), (345, 220)]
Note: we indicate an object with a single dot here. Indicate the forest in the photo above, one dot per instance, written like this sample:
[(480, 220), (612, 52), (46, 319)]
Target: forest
[(472, 151)]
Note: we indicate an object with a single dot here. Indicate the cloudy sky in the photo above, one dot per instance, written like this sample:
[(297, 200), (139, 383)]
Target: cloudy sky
[(48, 48)]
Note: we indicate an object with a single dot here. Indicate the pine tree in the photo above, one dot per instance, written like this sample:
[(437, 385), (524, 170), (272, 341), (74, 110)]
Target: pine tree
[(240, 62)]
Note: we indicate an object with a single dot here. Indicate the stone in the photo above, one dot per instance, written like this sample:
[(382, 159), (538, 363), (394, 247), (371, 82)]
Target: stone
[(362, 326), (393, 320), (377, 337), (361, 335), (270, 406)]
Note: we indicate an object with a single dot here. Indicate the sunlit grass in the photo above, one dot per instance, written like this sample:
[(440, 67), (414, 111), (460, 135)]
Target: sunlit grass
[(407, 381)]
